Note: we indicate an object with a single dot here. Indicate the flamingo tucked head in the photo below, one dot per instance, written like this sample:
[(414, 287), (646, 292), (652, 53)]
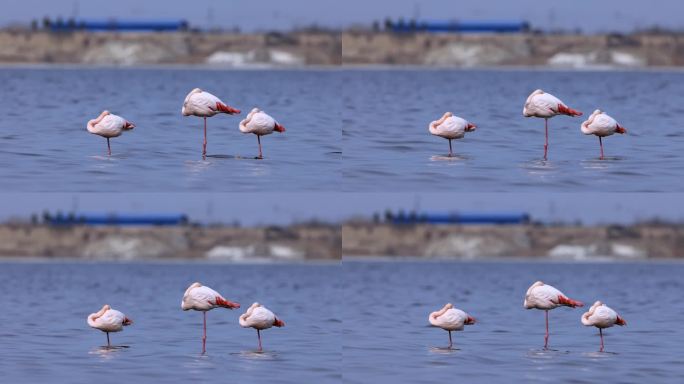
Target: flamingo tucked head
[(279, 128)]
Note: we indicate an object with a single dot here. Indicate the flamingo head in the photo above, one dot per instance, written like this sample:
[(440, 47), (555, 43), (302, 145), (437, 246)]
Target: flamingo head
[(470, 127), (620, 129), (128, 126), (279, 128), (127, 321), (278, 323), (469, 320), (620, 321)]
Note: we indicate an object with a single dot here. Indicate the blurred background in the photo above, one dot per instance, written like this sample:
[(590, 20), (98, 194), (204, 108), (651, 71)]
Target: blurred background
[(307, 32)]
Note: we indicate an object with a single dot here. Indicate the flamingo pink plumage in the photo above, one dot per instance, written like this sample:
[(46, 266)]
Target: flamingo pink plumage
[(601, 125), (450, 319), (450, 127), (108, 320), (546, 297), (203, 104), (601, 316), (201, 298), (260, 124), (259, 318), (546, 106), (108, 125)]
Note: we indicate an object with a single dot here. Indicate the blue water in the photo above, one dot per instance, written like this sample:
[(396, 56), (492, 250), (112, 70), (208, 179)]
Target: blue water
[(387, 145), (45, 337), (44, 145), (387, 337)]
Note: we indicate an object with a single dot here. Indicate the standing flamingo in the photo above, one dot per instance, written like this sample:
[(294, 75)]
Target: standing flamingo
[(546, 297), (546, 105), (450, 127), (201, 298), (108, 320), (450, 319), (601, 125), (108, 126), (601, 316), (260, 124), (259, 318), (203, 104)]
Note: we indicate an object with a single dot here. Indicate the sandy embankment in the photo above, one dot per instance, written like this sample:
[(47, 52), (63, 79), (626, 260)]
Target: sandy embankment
[(296, 242), (213, 49), (550, 242), (473, 50)]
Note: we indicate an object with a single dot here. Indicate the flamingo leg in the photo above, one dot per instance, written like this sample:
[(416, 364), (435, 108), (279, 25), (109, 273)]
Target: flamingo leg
[(204, 336), (546, 140), (108, 343), (259, 141), (450, 152), (546, 337), (109, 148), (601, 144), (204, 145), (450, 343), (601, 334), (259, 337)]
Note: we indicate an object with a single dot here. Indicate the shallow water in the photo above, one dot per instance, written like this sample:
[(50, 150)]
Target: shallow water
[(387, 337), (45, 336), (387, 145), (44, 145)]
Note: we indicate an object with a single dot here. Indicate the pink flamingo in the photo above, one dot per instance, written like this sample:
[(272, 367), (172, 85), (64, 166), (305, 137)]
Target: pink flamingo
[(203, 104), (546, 106), (601, 125), (108, 126), (601, 316), (201, 298), (546, 297)]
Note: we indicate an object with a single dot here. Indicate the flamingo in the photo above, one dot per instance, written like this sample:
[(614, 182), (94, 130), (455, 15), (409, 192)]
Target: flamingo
[(450, 127), (108, 125), (546, 297), (450, 319), (259, 318), (601, 125), (203, 104), (260, 124), (108, 320), (546, 105), (201, 298), (601, 316)]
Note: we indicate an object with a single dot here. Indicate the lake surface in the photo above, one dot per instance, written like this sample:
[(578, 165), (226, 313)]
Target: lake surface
[(387, 145), (45, 337), (44, 145), (387, 337)]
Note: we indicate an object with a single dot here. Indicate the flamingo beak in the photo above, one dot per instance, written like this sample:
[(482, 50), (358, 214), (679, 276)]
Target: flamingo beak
[(127, 321), (470, 320), (620, 321), (470, 127), (620, 129), (279, 128), (278, 323)]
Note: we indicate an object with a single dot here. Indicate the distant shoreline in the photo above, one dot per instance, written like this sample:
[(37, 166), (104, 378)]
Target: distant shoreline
[(508, 242)]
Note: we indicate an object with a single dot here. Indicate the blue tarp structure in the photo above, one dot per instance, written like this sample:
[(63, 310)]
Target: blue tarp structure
[(463, 218), (463, 26), (119, 219), (120, 25)]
